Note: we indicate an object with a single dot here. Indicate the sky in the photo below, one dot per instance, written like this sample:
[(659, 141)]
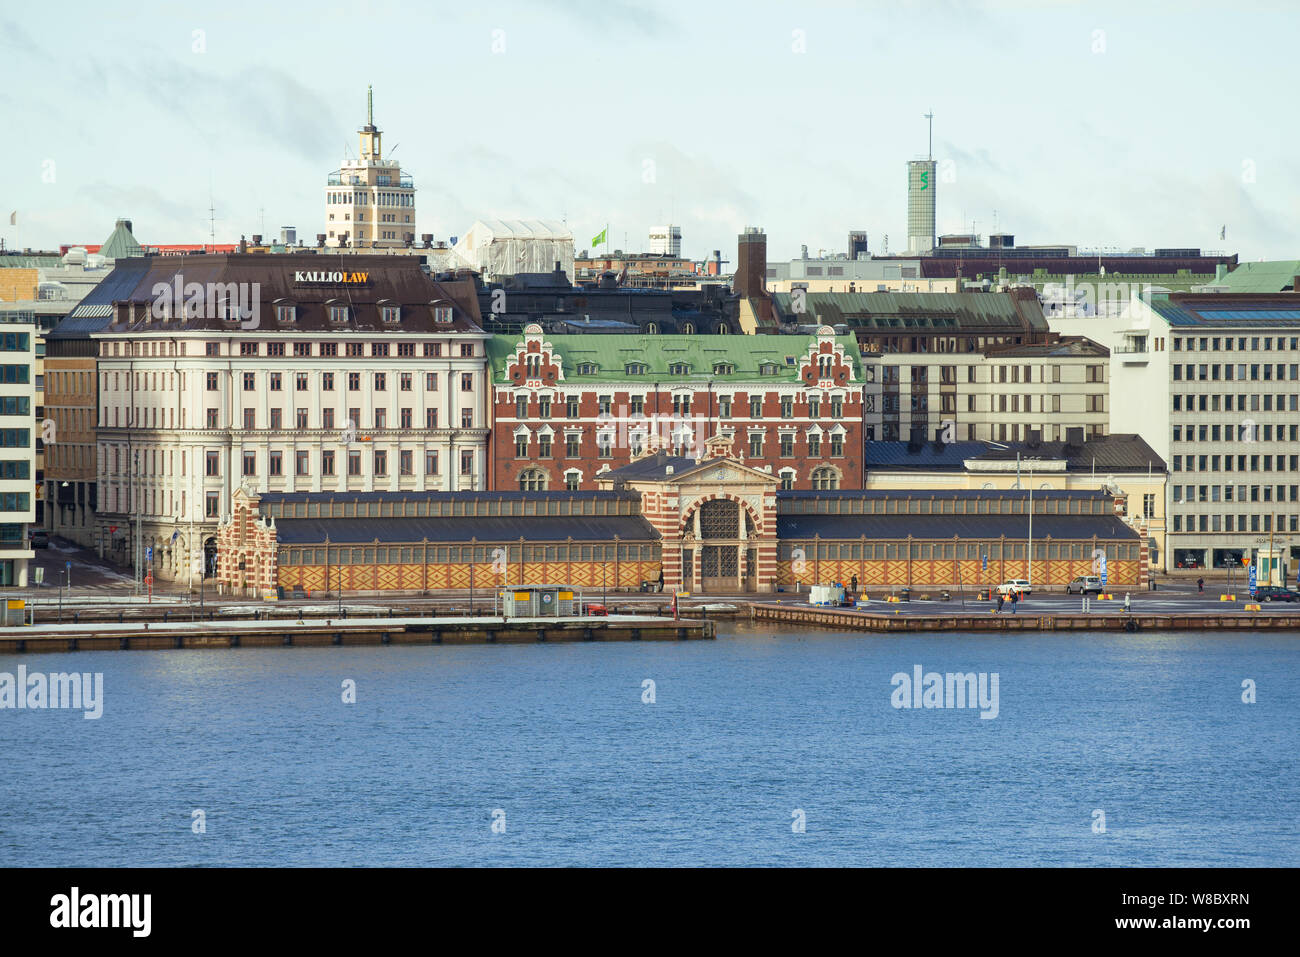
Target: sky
[(1114, 126)]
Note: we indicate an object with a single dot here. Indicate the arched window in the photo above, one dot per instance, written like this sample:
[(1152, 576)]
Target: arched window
[(825, 478), (532, 480)]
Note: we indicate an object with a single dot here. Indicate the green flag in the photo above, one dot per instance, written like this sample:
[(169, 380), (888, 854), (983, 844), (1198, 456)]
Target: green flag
[(601, 237)]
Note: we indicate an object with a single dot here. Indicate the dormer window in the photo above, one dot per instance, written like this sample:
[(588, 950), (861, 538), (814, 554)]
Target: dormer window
[(636, 368), (586, 368), (767, 368), (390, 313), (286, 313), (723, 368), (442, 313), (679, 368), (338, 313)]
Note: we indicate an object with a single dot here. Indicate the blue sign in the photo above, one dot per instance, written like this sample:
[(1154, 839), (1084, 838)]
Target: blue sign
[(1252, 578), (68, 565), (1101, 568), (148, 553), (984, 563)]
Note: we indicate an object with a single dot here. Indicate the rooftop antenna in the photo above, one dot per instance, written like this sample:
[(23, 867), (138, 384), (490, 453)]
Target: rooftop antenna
[(930, 117), (370, 105)]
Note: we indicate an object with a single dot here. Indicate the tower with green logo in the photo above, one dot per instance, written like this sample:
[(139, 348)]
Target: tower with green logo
[(920, 205)]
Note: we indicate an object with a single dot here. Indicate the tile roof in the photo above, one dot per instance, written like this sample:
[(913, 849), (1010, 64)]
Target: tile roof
[(937, 527), (493, 528)]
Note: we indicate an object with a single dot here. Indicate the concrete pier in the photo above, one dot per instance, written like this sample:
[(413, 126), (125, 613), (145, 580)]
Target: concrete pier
[(347, 631), (846, 620)]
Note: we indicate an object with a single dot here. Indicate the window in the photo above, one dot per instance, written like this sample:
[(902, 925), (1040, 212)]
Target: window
[(300, 463), (354, 381), (571, 406), (211, 463), (327, 417), (532, 480), (381, 418), (467, 382), (837, 444), (814, 445), (787, 407), (302, 350), (249, 382), (275, 463), (381, 381), (274, 382), (467, 418), (212, 505), (825, 478), (390, 313), (405, 462), (787, 444), (249, 463), (467, 462), (338, 313), (300, 382), (300, 419), (212, 382), (405, 382), (430, 463), (571, 481), (250, 420), (521, 407), (755, 406), (327, 462), (543, 446), (327, 381), (572, 442), (285, 313), (212, 422), (430, 418), (277, 419), (521, 446), (543, 407), (404, 418), (381, 462), (724, 407), (756, 444)]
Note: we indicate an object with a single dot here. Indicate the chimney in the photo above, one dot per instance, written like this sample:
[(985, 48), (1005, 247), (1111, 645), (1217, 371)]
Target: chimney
[(427, 239), (751, 263), (257, 239), (1074, 435), (320, 240)]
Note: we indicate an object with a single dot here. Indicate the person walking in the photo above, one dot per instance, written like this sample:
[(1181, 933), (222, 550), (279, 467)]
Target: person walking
[(1001, 599), (1200, 585), (853, 583), (1015, 597), (1128, 604)]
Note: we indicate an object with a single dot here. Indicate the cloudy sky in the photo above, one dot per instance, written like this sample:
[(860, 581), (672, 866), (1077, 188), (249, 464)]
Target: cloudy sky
[(1121, 125)]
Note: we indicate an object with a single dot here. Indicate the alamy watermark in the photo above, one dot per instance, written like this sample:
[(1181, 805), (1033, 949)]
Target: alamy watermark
[(80, 691), (228, 301), (930, 689)]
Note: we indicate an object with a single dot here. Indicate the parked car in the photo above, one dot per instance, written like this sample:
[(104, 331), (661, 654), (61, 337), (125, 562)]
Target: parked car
[(1016, 585), (1084, 584), (1276, 593), (40, 539)]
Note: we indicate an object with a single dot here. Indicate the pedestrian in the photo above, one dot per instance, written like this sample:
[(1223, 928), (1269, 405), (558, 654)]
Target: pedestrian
[(1015, 597), (1001, 599), (853, 582), (1128, 604), (1200, 585)]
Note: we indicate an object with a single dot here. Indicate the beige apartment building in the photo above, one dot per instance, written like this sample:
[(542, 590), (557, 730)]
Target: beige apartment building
[(369, 201)]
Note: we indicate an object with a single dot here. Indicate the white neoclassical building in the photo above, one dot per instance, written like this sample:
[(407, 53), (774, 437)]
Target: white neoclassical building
[(295, 373)]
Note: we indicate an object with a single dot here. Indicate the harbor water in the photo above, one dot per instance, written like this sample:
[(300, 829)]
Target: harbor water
[(764, 747)]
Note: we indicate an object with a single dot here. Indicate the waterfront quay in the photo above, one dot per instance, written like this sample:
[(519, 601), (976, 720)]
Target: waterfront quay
[(316, 632)]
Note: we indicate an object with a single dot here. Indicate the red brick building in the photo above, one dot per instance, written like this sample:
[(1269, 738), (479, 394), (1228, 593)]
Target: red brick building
[(570, 408)]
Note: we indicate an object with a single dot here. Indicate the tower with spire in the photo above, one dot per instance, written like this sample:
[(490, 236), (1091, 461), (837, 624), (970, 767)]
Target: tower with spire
[(369, 201)]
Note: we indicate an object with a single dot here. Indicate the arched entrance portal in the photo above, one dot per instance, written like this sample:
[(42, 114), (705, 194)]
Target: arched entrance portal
[(724, 533), (209, 558)]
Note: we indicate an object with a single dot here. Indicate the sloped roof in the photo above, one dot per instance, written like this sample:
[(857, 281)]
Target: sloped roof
[(1267, 277), (612, 353), (95, 311), (1119, 452), (1229, 311), (974, 311), (120, 243)]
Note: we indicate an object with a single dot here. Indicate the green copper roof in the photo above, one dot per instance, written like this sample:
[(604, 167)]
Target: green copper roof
[(120, 244), (914, 310), (1267, 277), (611, 357)]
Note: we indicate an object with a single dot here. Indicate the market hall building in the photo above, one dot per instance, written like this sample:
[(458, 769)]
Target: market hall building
[(707, 526)]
